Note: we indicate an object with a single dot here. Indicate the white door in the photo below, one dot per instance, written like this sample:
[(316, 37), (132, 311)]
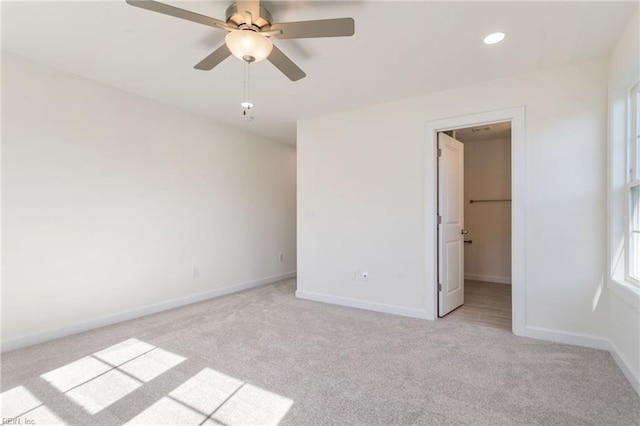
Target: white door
[(451, 227)]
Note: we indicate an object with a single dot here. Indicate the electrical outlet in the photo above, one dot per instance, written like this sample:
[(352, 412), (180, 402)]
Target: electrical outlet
[(281, 257), (195, 272)]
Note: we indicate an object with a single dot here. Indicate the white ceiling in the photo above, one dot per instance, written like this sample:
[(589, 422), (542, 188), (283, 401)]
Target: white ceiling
[(400, 49)]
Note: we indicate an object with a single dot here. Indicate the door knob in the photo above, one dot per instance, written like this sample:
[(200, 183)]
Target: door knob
[(464, 231)]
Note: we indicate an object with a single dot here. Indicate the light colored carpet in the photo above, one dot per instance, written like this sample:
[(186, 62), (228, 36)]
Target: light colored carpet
[(263, 357)]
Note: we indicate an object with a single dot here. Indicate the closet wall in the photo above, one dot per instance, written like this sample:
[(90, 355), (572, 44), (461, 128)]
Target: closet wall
[(487, 168)]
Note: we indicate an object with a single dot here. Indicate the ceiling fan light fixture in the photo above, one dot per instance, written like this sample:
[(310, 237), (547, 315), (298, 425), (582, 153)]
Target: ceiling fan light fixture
[(248, 45)]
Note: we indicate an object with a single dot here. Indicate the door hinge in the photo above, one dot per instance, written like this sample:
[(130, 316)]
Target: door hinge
[(439, 287), (439, 152), (439, 220)]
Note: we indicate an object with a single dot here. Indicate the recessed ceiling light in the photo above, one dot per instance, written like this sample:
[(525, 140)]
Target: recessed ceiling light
[(493, 38)]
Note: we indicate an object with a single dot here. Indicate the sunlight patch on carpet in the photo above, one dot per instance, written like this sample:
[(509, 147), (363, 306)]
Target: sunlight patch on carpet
[(17, 401), (98, 381), (253, 405)]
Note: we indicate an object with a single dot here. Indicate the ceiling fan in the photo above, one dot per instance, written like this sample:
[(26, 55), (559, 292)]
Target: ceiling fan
[(250, 27)]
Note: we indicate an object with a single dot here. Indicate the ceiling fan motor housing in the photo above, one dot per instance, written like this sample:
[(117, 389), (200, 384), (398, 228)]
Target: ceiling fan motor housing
[(235, 17)]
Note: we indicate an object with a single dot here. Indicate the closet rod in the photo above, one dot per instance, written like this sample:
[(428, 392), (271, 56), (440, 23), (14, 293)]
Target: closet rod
[(487, 201)]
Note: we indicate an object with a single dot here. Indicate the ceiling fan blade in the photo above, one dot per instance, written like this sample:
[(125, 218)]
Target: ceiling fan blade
[(340, 27), (285, 65), (176, 12), (218, 55), (251, 6)]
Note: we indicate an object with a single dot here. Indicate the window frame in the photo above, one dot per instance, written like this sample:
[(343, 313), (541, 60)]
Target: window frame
[(632, 264)]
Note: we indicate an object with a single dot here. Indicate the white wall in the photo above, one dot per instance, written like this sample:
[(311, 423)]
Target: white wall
[(487, 176), (624, 302), (109, 201), (366, 199)]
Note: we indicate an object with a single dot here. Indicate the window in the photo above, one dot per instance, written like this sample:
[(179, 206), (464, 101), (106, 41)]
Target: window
[(635, 131), (633, 273), (634, 234)]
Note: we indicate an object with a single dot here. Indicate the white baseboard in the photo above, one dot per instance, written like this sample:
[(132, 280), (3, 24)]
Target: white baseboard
[(488, 278), (575, 339), (360, 304), (624, 366), (32, 339)]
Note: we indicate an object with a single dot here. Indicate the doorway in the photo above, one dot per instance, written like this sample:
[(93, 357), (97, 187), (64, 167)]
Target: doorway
[(514, 117), (474, 236)]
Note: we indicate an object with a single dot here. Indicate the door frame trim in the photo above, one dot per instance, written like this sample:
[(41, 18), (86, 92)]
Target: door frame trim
[(516, 116)]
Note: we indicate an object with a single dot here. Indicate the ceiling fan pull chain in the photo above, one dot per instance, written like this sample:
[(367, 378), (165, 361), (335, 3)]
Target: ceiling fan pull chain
[(246, 82), (246, 103)]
